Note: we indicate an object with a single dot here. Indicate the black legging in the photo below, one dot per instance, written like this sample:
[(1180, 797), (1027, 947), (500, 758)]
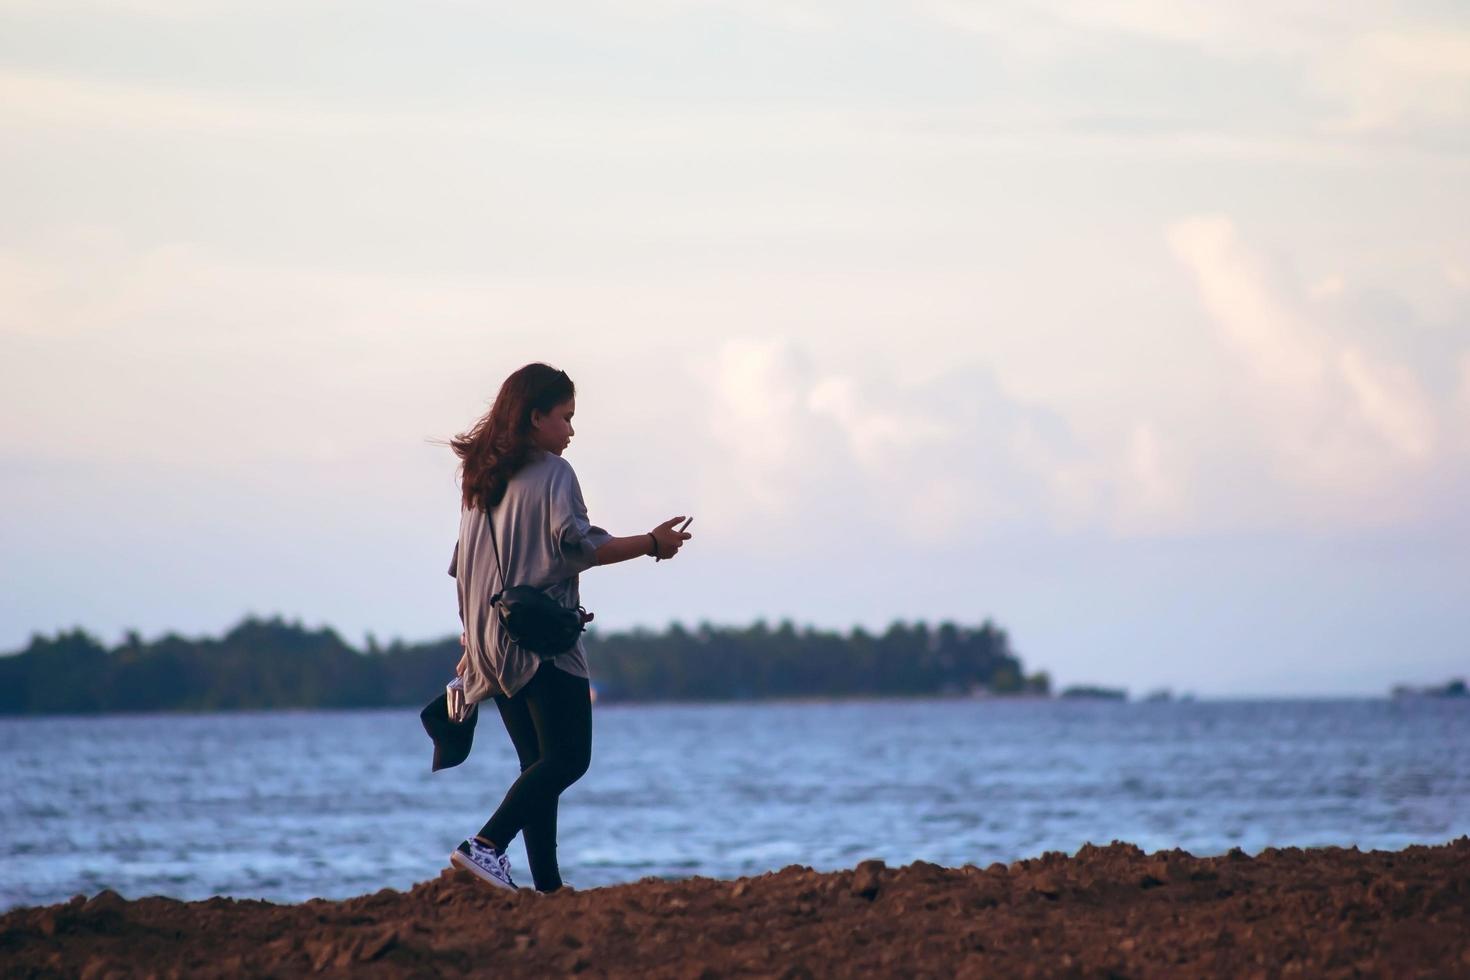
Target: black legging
[(550, 724)]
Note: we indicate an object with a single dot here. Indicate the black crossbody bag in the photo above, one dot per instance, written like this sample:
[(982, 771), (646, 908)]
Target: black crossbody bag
[(533, 619)]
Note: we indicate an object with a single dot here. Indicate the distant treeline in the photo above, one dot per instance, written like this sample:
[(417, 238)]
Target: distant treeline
[(269, 663)]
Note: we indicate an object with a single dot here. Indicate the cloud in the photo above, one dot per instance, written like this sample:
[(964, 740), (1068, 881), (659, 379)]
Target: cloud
[(1157, 498), (1297, 421), (204, 362), (1390, 401), (1277, 344), (942, 456), (1340, 423), (874, 434), (759, 417)]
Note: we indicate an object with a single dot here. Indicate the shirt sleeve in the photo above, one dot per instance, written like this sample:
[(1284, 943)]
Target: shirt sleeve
[(454, 562), (576, 537)]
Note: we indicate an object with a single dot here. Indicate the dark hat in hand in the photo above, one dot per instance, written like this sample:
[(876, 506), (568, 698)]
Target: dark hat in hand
[(452, 739)]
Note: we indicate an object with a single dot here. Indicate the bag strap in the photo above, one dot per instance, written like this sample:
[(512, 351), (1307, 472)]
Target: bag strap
[(500, 566), (502, 636)]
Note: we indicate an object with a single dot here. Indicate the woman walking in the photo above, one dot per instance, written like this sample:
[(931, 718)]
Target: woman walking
[(521, 499)]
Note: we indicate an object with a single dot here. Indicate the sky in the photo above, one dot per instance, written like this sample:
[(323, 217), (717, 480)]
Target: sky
[(1140, 328)]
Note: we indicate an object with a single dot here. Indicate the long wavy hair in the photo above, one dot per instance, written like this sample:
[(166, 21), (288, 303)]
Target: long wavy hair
[(498, 444)]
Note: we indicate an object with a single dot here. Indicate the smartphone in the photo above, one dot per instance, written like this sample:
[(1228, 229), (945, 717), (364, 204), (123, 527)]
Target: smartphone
[(687, 521)]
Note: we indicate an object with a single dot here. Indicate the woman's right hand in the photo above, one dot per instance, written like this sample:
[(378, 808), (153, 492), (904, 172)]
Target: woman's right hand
[(667, 540)]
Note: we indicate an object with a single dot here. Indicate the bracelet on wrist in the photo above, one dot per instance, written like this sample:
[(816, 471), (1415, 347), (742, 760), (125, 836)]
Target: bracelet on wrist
[(652, 545)]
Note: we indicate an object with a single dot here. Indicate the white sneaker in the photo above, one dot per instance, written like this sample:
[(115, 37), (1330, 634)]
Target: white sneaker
[(483, 862)]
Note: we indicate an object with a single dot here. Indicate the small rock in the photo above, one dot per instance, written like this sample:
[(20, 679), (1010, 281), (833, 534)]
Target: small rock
[(348, 952), (868, 878), (48, 922), (1046, 886), (106, 900), (97, 967), (739, 890), (283, 947), (378, 945), (322, 954)]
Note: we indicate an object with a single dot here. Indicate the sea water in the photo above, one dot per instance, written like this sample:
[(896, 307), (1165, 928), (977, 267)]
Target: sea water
[(291, 805)]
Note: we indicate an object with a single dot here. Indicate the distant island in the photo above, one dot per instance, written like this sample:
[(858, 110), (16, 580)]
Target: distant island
[(270, 663), (1088, 692), (1449, 689)]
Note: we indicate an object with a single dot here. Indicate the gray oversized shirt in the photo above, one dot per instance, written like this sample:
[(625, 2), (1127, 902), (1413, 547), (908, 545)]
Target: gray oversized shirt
[(545, 540)]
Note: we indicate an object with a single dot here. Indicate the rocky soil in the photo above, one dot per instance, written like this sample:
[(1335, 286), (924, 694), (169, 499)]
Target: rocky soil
[(1105, 912)]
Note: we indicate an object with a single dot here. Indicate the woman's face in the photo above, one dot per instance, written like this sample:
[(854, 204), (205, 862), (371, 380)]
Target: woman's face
[(552, 431)]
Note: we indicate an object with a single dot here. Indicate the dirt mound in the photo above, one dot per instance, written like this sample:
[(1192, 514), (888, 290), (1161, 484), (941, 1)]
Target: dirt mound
[(1107, 911)]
